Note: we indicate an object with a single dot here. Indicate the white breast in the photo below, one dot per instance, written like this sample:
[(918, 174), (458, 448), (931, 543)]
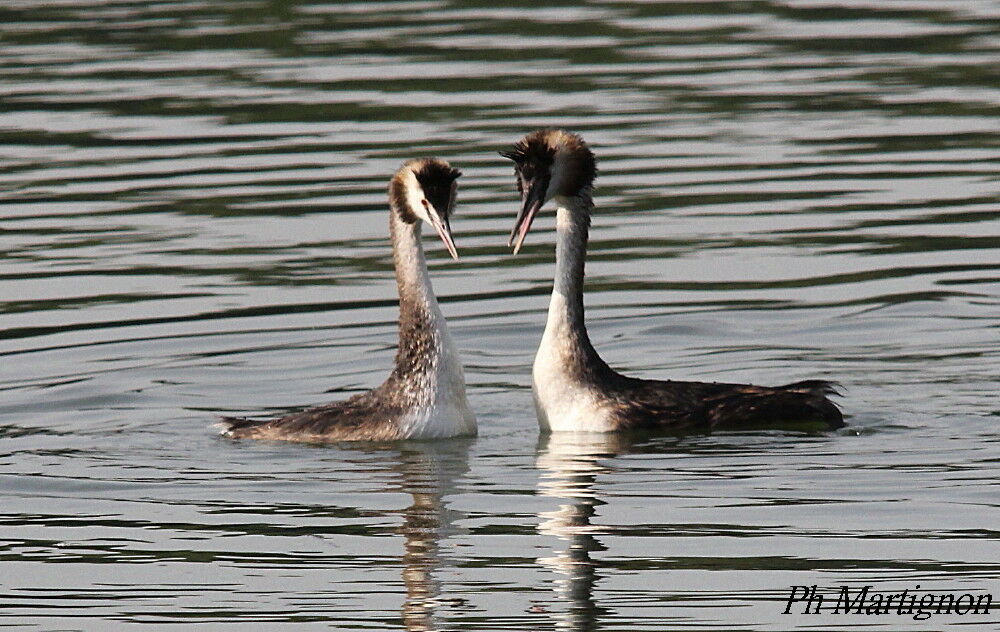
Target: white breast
[(447, 413), (562, 402)]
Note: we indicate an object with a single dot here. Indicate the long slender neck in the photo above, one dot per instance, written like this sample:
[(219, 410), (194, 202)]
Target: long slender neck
[(420, 318), (572, 230), (565, 327)]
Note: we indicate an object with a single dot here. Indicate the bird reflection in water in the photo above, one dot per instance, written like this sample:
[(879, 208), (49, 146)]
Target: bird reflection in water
[(570, 464), (430, 472)]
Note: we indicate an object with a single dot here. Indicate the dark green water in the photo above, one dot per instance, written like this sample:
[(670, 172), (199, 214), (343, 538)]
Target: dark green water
[(193, 220)]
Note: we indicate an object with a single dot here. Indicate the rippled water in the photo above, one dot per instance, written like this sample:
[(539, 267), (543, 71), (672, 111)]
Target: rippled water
[(193, 221)]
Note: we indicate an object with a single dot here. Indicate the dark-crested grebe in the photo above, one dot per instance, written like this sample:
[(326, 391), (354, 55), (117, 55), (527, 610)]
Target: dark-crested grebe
[(424, 396), (575, 390)]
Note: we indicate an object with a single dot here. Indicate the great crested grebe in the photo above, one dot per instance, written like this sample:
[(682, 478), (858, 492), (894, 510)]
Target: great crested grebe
[(424, 396), (575, 390)]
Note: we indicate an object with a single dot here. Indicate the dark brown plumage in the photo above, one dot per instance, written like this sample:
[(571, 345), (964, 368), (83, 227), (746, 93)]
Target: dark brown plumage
[(371, 415), (713, 406), (534, 156)]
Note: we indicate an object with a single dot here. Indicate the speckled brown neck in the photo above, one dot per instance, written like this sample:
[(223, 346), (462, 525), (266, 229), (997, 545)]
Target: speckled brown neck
[(420, 318)]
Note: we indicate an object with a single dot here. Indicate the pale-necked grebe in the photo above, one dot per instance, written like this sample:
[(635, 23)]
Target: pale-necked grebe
[(424, 396), (575, 390)]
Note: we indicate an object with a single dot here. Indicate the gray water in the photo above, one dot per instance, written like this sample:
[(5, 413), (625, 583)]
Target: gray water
[(194, 222)]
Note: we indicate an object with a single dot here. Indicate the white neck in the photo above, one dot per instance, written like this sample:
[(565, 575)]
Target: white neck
[(565, 320), (563, 397)]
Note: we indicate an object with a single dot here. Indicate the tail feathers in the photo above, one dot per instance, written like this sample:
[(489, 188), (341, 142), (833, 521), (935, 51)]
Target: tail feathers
[(230, 426), (814, 387), (791, 404)]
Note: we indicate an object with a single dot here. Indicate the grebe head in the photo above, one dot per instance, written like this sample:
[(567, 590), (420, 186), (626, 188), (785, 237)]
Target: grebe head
[(424, 189), (548, 163)]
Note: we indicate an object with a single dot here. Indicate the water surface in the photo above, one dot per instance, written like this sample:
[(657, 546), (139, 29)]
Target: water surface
[(194, 222)]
